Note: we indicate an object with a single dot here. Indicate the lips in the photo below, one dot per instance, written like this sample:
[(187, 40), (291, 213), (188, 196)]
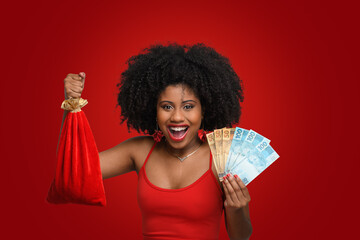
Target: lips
[(177, 132)]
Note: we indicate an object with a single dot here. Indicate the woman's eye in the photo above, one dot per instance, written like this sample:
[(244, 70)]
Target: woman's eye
[(166, 107), (187, 107)]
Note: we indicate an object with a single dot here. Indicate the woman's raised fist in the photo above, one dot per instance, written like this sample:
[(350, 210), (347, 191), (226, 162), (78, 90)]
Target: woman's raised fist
[(74, 85)]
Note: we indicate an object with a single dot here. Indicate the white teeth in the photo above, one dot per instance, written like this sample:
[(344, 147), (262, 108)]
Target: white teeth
[(177, 128)]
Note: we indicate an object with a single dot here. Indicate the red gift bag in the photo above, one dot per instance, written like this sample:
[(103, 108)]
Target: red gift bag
[(78, 177)]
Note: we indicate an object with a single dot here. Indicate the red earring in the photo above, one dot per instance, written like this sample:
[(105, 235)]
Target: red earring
[(202, 135), (158, 133)]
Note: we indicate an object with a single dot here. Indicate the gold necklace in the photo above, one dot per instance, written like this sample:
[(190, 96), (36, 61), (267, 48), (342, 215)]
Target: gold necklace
[(183, 158)]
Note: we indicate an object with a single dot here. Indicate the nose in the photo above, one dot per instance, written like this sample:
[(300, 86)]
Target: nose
[(177, 116)]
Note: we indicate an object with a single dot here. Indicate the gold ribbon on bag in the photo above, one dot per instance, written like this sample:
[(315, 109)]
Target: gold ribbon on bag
[(73, 104)]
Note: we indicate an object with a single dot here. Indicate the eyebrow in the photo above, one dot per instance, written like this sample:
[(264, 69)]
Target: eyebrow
[(186, 101)]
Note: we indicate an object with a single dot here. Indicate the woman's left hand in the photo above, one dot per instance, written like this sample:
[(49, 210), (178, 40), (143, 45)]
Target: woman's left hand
[(236, 193)]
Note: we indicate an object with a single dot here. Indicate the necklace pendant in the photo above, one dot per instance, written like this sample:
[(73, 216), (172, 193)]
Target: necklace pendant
[(182, 159)]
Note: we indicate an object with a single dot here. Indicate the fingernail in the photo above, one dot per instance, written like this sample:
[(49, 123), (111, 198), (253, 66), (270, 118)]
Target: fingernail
[(236, 176)]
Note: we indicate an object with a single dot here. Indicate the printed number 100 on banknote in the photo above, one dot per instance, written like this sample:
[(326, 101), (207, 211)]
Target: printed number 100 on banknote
[(250, 155)]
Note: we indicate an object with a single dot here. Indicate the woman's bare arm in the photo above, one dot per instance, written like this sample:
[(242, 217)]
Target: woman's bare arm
[(117, 160)]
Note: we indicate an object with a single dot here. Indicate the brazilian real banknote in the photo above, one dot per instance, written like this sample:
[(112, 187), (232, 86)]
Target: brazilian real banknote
[(250, 141), (250, 154), (235, 148)]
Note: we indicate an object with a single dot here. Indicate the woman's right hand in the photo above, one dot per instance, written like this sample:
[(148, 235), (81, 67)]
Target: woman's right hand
[(74, 85)]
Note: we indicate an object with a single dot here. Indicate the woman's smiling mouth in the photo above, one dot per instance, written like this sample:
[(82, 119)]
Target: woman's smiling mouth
[(177, 132)]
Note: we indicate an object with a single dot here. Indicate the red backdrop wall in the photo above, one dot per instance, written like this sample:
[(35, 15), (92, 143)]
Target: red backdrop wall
[(298, 61)]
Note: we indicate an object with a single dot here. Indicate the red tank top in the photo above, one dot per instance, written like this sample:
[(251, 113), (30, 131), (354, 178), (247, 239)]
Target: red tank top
[(192, 212)]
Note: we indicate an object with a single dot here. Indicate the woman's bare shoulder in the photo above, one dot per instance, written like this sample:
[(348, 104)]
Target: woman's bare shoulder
[(125, 157), (139, 148), (142, 140), (139, 145)]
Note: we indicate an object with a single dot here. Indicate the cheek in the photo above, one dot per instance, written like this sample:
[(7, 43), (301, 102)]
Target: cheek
[(162, 116), (196, 118), (159, 113)]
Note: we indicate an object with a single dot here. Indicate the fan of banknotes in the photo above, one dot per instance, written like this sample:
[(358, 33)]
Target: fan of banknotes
[(240, 151)]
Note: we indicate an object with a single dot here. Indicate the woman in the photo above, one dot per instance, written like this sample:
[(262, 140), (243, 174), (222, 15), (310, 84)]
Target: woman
[(175, 93)]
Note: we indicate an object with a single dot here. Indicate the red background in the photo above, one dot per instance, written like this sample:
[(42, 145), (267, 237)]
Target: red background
[(298, 61)]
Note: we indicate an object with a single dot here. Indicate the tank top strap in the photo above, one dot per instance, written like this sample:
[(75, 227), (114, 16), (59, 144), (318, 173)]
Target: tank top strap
[(152, 148), (210, 161)]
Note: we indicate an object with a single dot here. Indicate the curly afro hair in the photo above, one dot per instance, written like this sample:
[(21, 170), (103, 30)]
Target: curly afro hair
[(200, 67)]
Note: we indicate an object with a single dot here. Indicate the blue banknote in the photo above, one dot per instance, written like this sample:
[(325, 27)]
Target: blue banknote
[(255, 163), (253, 141), (235, 149)]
